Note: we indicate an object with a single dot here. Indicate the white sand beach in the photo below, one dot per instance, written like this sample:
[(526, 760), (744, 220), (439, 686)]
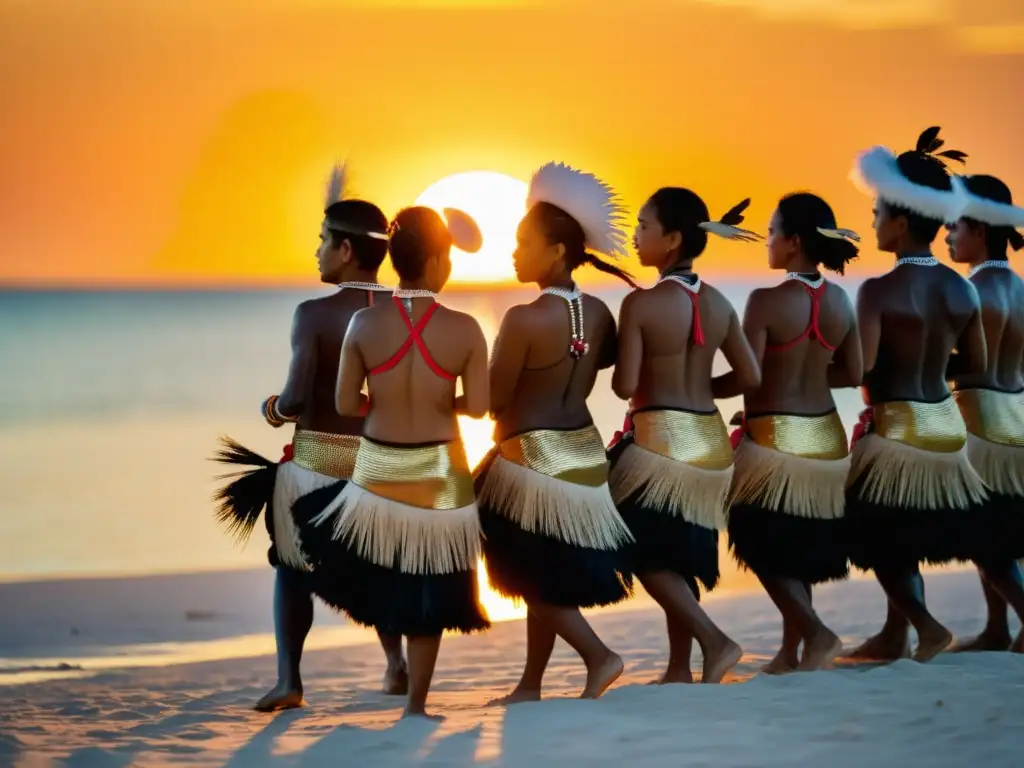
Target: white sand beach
[(957, 710)]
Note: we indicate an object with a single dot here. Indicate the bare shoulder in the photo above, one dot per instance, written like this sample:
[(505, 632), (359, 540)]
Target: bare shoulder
[(717, 300), (872, 290), (462, 322), (839, 293), (594, 304)]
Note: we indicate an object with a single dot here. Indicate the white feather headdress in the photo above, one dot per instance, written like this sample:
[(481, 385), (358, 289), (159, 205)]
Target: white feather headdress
[(876, 173), (591, 202), (982, 209)]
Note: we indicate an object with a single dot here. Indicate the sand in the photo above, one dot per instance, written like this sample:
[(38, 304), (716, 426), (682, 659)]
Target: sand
[(959, 709)]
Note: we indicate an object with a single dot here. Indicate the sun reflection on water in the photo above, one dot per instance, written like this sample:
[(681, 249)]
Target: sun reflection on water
[(477, 436)]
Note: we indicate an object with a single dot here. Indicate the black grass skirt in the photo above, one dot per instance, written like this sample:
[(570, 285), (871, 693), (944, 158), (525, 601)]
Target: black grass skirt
[(882, 536), (775, 544), (998, 530), (538, 568), (667, 542), (392, 602)]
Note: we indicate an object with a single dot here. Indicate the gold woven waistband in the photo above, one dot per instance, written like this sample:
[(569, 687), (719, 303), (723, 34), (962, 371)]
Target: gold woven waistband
[(430, 477), (573, 456), (809, 437), (935, 427), (698, 439), (994, 416), (324, 452)]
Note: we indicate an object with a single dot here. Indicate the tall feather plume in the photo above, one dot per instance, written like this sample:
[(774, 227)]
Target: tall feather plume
[(590, 201), (337, 185)]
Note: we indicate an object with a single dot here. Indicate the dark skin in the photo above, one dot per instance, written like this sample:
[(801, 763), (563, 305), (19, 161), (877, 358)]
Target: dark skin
[(799, 380), (534, 384), (1001, 293), (318, 330), (411, 403), (911, 320), (659, 366)]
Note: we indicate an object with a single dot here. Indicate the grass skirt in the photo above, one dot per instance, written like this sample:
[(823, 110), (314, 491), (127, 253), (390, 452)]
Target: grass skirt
[(665, 540), (390, 601), (539, 567)]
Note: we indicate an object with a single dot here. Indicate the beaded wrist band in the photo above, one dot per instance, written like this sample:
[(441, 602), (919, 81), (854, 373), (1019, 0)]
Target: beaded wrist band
[(272, 415)]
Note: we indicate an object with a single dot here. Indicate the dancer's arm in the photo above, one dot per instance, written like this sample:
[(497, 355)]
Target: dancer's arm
[(847, 366), (508, 358), (626, 377), (744, 351), (352, 372), (475, 396)]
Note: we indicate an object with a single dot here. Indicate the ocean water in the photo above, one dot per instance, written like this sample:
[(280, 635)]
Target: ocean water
[(110, 406)]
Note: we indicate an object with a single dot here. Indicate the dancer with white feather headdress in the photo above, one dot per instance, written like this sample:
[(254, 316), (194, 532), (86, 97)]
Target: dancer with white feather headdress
[(404, 533), (554, 538), (353, 243), (672, 465), (912, 494), (992, 403)]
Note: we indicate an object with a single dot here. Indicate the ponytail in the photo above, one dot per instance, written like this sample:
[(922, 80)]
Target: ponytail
[(609, 269)]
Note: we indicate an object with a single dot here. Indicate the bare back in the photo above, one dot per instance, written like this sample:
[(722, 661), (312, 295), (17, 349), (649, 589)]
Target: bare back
[(663, 362), (412, 393), (1001, 293), (535, 382), (318, 331), (911, 320), (798, 344)]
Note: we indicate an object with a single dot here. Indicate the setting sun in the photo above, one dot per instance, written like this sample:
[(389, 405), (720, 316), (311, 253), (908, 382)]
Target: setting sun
[(477, 438), (497, 202)]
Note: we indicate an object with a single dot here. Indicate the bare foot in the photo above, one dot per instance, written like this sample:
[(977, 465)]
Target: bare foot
[(986, 641), (598, 680), (280, 697), (785, 660), (396, 681), (932, 644), (422, 713), (881, 648), (719, 661), (517, 696), (1018, 644), (820, 650), (673, 676)]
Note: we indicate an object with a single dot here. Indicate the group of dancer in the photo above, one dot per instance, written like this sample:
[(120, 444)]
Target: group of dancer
[(375, 509)]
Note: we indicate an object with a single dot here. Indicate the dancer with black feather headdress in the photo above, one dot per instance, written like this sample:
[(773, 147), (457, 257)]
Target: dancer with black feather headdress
[(992, 403), (672, 465), (322, 451), (787, 503), (913, 493)]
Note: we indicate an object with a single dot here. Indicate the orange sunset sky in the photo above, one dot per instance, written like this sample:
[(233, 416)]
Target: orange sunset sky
[(176, 142)]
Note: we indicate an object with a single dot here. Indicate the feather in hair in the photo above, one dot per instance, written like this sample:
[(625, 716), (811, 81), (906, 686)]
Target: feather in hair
[(336, 185), (591, 202), (464, 231), (927, 139)]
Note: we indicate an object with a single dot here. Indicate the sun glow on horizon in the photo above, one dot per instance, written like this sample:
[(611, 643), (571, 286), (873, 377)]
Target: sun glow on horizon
[(477, 437), (497, 202)]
